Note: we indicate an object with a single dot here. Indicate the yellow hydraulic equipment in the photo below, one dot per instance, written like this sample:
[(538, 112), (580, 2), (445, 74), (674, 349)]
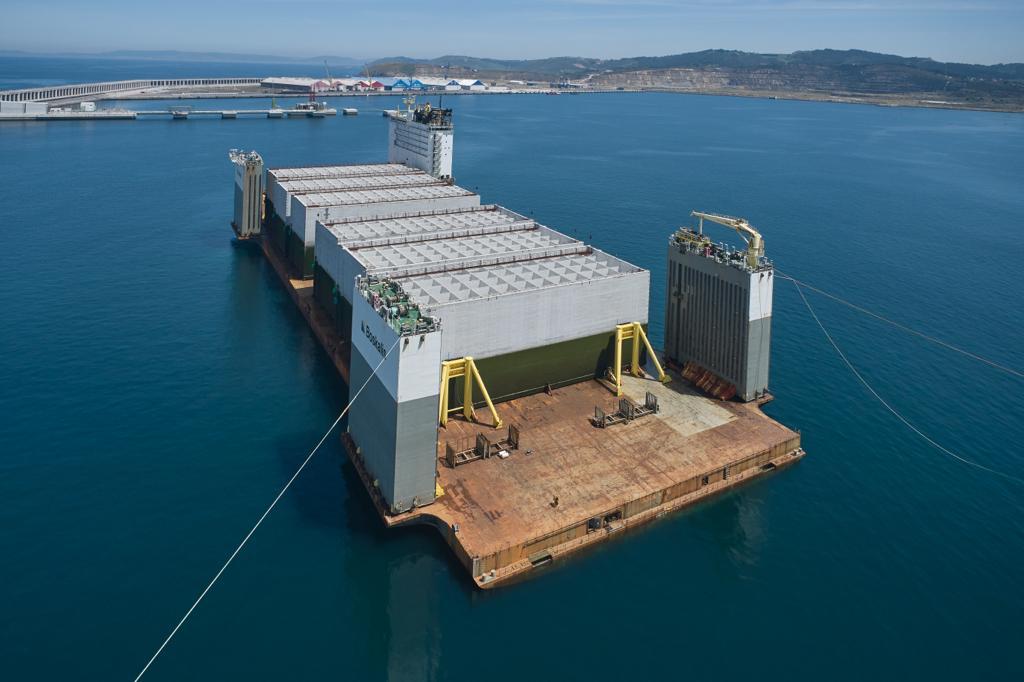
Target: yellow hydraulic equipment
[(753, 239), (466, 369), (633, 331)]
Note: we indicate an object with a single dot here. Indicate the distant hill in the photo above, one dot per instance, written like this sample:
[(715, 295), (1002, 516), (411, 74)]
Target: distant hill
[(816, 74), (846, 75), (733, 59)]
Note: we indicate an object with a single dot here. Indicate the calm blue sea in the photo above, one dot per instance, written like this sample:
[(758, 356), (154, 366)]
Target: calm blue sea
[(157, 388)]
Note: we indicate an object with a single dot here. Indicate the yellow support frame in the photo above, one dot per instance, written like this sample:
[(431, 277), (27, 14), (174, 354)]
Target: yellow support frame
[(463, 368), (633, 331)]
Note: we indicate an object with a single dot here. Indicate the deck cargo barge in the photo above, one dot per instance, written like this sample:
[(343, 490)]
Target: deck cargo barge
[(512, 399)]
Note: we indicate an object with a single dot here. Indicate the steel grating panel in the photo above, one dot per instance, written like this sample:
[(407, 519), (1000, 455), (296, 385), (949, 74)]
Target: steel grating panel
[(310, 172), (356, 232), (497, 280), (378, 196), (475, 246), (324, 185)]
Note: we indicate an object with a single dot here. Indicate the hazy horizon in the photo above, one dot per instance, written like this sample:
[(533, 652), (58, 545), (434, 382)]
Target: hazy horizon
[(257, 58), (987, 32)]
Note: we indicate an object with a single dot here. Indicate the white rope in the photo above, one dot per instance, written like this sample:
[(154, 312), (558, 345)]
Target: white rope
[(886, 404), (909, 330), (265, 514)]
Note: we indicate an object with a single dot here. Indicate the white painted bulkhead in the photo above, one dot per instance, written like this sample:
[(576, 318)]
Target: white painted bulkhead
[(394, 420), (497, 325), (413, 370)]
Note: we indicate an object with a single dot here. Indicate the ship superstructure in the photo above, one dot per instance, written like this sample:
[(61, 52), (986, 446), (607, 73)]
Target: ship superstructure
[(422, 137)]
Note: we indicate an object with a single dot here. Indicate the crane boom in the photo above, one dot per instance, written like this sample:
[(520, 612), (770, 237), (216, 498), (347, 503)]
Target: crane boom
[(752, 238)]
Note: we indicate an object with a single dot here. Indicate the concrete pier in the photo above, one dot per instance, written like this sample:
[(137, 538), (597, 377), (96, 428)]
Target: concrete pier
[(85, 91), (181, 114)]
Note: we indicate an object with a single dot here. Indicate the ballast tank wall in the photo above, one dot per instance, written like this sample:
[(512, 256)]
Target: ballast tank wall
[(719, 316)]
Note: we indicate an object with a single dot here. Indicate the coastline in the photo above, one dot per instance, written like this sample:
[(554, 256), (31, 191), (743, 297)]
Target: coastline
[(915, 101)]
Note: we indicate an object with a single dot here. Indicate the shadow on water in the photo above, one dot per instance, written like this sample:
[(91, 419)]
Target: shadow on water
[(319, 494)]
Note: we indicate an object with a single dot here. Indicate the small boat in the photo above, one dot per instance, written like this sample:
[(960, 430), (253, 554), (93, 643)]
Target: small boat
[(349, 111), (313, 108)]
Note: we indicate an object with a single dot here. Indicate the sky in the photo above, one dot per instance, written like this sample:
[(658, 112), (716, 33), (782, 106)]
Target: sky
[(982, 32)]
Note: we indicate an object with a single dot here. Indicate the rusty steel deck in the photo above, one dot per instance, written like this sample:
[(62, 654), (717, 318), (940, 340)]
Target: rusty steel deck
[(571, 484)]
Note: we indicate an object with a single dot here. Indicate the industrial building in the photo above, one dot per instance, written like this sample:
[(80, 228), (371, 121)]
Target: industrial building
[(719, 310), (370, 83)]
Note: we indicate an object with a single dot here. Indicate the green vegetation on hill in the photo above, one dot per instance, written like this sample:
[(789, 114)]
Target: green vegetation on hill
[(814, 73), (583, 66)]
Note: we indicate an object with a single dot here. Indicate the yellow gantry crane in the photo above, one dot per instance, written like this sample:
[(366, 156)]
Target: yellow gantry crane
[(753, 239), (466, 369), (633, 331)]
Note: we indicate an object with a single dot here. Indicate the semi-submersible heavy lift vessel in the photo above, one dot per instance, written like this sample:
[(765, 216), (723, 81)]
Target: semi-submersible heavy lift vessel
[(507, 400)]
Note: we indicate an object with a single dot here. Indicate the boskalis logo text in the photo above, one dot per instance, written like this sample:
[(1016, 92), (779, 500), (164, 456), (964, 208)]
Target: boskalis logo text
[(372, 338)]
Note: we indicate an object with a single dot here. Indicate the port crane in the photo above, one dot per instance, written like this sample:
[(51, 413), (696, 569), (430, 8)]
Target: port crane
[(752, 238)]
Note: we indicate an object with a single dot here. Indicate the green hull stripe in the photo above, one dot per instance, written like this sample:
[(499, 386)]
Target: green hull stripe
[(506, 376)]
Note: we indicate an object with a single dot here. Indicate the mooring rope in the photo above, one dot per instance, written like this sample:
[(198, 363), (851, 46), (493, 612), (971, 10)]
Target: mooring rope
[(909, 330), (266, 513), (889, 407)]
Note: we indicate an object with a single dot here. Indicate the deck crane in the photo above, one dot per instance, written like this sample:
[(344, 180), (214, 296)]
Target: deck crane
[(752, 238)]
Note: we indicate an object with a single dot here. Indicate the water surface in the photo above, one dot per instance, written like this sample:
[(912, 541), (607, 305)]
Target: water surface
[(159, 387)]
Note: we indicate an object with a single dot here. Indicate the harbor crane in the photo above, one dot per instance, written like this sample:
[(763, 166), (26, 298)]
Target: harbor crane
[(752, 238)]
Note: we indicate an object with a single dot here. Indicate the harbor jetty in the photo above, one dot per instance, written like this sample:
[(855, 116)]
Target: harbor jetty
[(180, 113)]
